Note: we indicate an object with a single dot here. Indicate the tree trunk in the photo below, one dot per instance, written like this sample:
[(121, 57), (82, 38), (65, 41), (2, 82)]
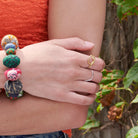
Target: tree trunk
[(117, 52)]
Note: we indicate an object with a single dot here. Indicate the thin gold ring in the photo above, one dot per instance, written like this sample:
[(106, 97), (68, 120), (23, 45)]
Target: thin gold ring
[(91, 60)]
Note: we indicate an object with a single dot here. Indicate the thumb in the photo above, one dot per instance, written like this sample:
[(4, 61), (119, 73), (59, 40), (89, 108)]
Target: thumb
[(73, 44)]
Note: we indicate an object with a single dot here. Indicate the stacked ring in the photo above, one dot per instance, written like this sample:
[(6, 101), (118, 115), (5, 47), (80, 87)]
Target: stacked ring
[(91, 60), (13, 86), (91, 77)]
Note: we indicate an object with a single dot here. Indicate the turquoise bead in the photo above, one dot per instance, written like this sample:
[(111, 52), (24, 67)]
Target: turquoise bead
[(13, 89), (11, 61), (10, 45)]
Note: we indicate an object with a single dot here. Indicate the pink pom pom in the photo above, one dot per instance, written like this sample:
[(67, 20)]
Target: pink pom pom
[(12, 74)]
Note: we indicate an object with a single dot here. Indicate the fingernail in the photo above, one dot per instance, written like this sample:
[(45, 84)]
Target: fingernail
[(88, 44)]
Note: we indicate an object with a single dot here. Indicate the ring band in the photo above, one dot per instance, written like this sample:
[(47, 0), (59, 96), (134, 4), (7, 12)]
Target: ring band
[(91, 62), (91, 77)]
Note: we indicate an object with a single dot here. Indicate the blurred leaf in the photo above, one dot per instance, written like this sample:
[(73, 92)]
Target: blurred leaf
[(118, 2), (107, 80), (90, 112), (135, 100), (126, 8), (119, 12), (90, 124), (102, 93), (135, 48), (132, 133), (111, 76), (131, 76), (99, 108), (119, 104)]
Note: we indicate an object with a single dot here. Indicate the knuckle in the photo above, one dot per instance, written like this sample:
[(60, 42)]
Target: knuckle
[(73, 57)]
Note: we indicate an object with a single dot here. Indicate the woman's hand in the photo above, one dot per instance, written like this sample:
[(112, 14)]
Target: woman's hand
[(51, 71)]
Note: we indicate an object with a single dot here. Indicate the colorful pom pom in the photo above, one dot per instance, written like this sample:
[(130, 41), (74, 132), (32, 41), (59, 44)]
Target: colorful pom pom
[(9, 39), (10, 45), (12, 74), (11, 61), (10, 51)]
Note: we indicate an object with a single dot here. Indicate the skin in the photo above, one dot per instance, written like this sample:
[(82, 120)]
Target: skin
[(60, 77), (32, 111), (78, 18)]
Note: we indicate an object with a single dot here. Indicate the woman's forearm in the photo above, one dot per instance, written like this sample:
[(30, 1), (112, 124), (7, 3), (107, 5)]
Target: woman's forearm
[(78, 18), (31, 115)]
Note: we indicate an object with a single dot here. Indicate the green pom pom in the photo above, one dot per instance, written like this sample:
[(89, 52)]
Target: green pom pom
[(11, 61)]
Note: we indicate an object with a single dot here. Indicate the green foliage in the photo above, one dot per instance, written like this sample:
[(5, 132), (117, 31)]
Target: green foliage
[(135, 100), (90, 122), (99, 108), (101, 93), (131, 76), (135, 48), (132, 133), (111, 76), (109, 82), (126, 8), (119, 104)]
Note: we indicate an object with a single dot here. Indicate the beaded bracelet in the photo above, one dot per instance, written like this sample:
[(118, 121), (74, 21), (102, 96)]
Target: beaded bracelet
[(13, 86)]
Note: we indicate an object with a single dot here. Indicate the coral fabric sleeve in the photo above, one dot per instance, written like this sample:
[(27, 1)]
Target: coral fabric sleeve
[(27, 20)]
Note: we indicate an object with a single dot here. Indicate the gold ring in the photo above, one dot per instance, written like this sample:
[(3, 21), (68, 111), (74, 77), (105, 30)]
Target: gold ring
[(91, 60)]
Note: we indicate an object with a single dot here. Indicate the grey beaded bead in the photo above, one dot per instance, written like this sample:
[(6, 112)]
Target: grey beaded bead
[(13, 89)]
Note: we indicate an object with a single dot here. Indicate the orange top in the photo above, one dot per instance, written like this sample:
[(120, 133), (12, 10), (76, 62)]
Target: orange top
[(27, 20)]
